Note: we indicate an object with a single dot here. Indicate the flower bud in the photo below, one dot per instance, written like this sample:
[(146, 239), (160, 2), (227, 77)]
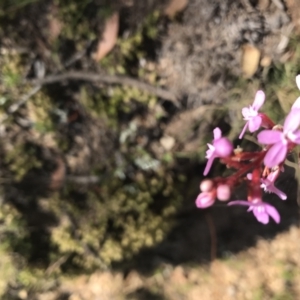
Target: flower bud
[(206, 185), (205, 199), (223, 147), (223, 192)]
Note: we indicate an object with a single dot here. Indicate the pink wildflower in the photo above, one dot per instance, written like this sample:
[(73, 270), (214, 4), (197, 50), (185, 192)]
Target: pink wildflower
[(268, 185), (281, 140), (261, 210), (251, 114), (221, 147)]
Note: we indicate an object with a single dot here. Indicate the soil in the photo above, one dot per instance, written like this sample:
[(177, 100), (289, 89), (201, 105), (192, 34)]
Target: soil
[(218, 253)]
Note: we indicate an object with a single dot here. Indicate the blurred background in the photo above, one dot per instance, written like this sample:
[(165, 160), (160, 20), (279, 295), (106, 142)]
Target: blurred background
[(105, 111)]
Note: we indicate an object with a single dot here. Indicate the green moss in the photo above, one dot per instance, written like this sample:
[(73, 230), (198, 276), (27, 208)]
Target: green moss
[(21, 159), (40, 108), (8, 271), (12, 69), (110, 103), (11, 6), (116, 225), (13, 239), (77, 26)]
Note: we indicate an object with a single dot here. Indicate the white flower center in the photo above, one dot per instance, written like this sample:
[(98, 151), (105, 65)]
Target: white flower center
[(251, 113)]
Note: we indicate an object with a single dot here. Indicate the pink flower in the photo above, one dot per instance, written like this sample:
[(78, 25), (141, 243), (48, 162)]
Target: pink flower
[(251, 115), (221, 147), (261, 210), (205, 199), (268, 185), (281, 140), (296, 104)]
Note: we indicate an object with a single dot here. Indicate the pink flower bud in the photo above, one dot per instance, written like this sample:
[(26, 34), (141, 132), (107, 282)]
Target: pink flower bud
[(223, 192), (206, 185), (205, 199)]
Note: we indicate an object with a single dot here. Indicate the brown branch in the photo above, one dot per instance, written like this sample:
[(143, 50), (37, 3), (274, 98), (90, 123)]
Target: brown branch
[(109, 79)]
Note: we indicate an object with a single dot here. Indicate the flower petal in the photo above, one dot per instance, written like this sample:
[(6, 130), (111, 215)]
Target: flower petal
[(298, 81), (268, 137), (272, 212), (275, 155), (261, 216), (254, 123), (217, 133), (296, 104), (210, 151), (258, 100), (273, 175), (292, 121), (243, 131), (209, 164), (296, 137), (246, 113), (278, 192)]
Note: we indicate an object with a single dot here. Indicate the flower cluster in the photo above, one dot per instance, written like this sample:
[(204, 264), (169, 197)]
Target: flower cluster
[(259, 169)]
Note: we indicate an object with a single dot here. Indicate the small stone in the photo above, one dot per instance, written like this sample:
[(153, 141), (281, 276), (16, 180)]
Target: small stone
[(23, 294), (167, 142), (250, 60), (266, 61), (174, 7)]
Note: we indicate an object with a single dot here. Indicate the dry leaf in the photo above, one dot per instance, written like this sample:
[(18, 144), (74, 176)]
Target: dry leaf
[(263, 5), (55, 26), (109, 37), (58, 176), (174, 7), (250, 60), (294, 12)]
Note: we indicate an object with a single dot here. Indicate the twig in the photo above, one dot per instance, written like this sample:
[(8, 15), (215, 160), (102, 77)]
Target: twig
[(14, 107), (109, 79), (83, 179), (93, 77), (57, 264)]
